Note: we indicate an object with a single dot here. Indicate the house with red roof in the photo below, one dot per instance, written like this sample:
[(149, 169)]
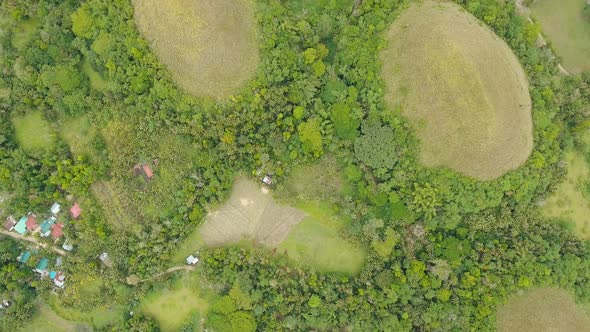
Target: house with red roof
[(57, 230), (9, 223), (76, 211), (143, 169), (31, 222), (147, 170)]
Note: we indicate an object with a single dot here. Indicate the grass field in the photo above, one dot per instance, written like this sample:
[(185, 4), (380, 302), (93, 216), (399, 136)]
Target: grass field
[(543, 309), (78, 133), (48, 321), (33, 132), (209, 47), (316, 242), (569, 32), (461, 87), (318, 181), (569, 202), (172, 308)]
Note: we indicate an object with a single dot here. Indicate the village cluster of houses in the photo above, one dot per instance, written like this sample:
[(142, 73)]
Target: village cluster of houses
[(57, 277), (50, 227)]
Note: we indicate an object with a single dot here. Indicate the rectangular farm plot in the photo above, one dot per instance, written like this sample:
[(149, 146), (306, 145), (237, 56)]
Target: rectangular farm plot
[(250, 213)]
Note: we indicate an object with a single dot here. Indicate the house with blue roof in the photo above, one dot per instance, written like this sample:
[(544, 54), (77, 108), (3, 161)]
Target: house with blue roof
[(24, 257), (42, 266), (46, 226), (21, 226)]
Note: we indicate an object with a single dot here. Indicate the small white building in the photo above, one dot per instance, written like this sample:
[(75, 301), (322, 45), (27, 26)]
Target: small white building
[(67, 246), (105, 259), (59, 280), (267, 180), (55, 208), (192, 260)]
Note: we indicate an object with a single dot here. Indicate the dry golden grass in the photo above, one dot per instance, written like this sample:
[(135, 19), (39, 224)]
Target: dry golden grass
[(210, 47), (461, 87), (542, 310)]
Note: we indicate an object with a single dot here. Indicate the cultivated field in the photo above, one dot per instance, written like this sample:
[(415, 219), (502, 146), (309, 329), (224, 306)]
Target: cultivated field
[(111, 204), (570, 202), (543, 309), (249, 213), (33, 132), (569, 32), (210, 47), (461, 87)]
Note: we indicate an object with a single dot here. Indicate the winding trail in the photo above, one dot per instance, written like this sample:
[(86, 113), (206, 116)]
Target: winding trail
[(32, 240), (133, 280)]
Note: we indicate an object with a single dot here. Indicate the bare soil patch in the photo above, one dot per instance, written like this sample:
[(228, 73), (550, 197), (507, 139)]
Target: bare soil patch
[(250, 213), (461, 87)]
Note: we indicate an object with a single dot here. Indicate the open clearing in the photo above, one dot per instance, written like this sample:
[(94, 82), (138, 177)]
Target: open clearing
[(309, 234), (49, 321), (542, 309), (315, 241), (569, 32), (249, 213), (33, 132), (210, 47), (461, 87), (78, 133), (172, 308), (569, 202)]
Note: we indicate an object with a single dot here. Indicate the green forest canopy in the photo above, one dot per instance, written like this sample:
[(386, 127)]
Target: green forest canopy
[(443, 250)]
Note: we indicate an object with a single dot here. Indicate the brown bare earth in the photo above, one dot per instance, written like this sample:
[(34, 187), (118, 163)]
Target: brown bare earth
[(543, 310), (209, 47), (250, 213), (461, 87)]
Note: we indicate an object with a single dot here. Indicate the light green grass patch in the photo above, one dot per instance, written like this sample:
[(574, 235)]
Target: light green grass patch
[(542, 309), (172, 308), (461, 87), (48, 321), (23, 32), (568, 203), (209, 47), (315, 241), (78, 133), (97, 82), (564, 23), (33, 132)]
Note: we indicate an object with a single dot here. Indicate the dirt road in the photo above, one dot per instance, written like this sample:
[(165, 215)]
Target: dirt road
[(32, 240)]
